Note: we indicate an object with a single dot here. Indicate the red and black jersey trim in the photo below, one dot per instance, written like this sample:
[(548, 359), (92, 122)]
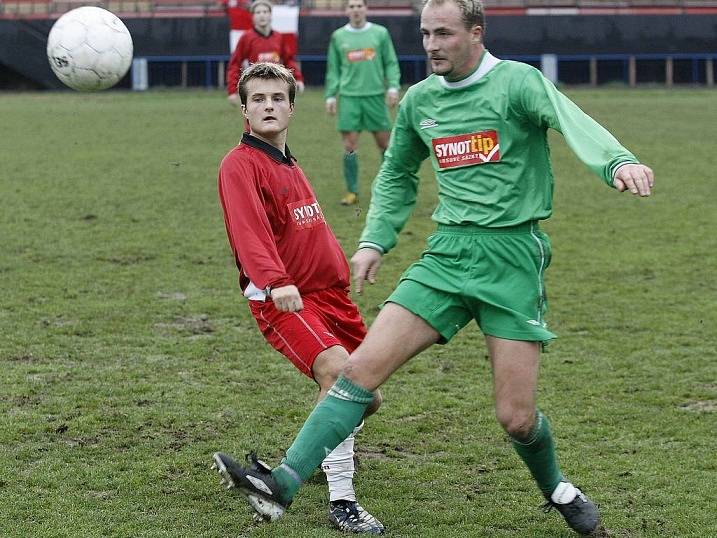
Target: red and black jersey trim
[(270, 150)]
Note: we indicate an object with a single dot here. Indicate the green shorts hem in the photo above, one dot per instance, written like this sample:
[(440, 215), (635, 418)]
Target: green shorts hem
[(526, 336), (444, 336)]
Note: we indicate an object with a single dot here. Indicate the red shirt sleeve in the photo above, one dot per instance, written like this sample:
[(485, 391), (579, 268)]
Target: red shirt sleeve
[(235, 63), (248, 224), (288, 56)]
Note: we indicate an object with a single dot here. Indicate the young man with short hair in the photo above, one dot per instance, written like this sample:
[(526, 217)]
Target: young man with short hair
[(291, 269), (362, 80)]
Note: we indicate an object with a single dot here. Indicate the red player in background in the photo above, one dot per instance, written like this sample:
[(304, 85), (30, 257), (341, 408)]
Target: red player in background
[(261, 44)]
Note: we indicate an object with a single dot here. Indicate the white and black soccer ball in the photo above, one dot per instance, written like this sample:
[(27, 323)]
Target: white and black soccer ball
[(89, 49)]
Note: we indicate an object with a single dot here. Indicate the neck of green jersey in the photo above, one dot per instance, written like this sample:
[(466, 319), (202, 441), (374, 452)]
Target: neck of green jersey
[(486, 62), (365, 26)]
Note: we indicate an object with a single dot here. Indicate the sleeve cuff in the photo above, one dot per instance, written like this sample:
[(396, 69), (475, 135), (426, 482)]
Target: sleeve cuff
[(280, 283), (617, 167), (374, 246)]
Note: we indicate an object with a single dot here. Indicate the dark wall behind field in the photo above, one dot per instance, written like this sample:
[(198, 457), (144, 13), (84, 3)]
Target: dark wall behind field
[(22, 43), (552, 34)]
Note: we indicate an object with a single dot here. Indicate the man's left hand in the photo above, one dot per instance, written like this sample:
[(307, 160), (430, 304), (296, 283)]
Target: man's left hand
[(637, 178), (287, 298)]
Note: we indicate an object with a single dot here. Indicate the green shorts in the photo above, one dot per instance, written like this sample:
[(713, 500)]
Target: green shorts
[(363, 114), (492, 275)]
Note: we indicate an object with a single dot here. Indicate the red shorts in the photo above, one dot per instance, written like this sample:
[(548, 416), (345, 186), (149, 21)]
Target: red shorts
[(329, 318)]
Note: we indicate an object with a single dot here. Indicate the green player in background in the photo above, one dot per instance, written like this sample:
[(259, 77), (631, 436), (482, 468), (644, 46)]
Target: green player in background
[(362, 73), (483, 124)]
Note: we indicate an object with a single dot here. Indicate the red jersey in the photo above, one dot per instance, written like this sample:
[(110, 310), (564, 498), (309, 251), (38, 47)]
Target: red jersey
[(276, 228), (256, 47)]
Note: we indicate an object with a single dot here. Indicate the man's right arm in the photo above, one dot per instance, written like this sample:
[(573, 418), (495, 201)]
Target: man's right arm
[(392, 70), (248, 226), (234, 71), (288, 58), (396, 185), (333, 75)]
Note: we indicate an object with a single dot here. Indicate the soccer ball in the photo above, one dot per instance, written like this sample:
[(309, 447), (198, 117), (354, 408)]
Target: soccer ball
[(89, 49)]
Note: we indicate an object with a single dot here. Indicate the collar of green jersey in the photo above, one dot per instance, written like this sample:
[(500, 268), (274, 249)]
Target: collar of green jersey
[(486, 63)]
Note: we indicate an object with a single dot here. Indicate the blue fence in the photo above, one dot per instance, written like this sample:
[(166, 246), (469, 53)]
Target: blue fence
[(595, 69)]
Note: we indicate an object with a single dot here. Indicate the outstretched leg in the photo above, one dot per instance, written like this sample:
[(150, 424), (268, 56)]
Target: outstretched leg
[(345, 513), (395, 337)]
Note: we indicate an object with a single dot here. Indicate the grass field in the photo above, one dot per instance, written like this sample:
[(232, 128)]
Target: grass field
[(128, 357)]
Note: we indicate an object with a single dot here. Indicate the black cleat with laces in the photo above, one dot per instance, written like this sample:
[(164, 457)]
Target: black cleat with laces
[(350, 516), (581, 514), (254, 482)]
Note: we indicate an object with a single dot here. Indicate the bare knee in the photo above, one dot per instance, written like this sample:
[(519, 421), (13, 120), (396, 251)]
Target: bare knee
[(350, 141), (375, 404), (328, 366), (517, 422), (382, 138)]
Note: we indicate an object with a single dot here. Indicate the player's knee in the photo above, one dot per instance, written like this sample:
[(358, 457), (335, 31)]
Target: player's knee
[(327, 377), (518, 423), (350, 142), (375, 404), (325, 382), (328, 366), (382, 139)]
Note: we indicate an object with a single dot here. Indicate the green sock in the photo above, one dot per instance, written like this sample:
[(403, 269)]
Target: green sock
[(331, 421), (538, 453), (351, 171)]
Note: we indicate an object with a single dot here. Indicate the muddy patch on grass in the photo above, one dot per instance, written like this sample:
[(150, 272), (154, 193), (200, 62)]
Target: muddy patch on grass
[(700, 406), (192, 325), (28, 358), (171, 296), (25, 400)]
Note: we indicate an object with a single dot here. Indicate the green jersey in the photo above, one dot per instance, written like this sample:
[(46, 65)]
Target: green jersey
[(486, 136), (361, 62)]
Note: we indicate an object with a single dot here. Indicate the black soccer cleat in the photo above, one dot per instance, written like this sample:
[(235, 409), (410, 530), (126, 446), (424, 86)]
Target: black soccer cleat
[(255, 483), (350, 516), (581, 514)]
